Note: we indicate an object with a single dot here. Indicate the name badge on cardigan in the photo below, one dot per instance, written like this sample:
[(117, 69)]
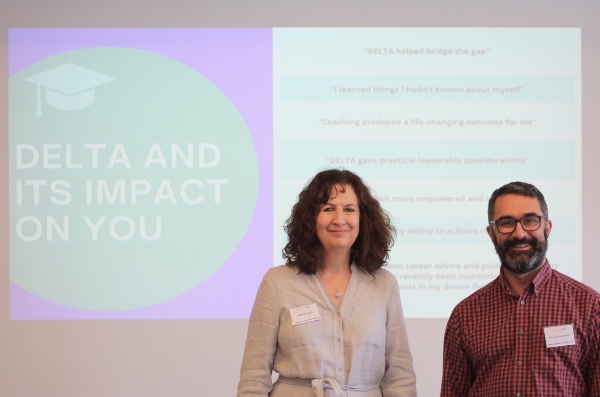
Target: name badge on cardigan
[(559, 335), (305, 314)]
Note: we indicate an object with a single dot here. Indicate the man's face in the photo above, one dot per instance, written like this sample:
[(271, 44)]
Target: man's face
[(520, 251)]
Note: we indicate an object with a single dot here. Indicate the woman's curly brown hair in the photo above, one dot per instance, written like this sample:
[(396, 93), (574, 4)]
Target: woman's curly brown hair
[(376, 234)]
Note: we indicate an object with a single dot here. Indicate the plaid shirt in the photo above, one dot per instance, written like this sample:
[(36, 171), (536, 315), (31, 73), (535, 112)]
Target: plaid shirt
[(495, 346)]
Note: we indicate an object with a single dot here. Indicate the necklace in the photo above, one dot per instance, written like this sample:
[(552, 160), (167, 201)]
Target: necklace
[(338, 294)]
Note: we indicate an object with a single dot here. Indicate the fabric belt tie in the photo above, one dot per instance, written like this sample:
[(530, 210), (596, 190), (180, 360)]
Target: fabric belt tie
[(318, 385)]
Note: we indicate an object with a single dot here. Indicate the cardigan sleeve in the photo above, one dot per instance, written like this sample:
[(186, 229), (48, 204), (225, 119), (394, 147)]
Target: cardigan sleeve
[(399, 379), (261, 342)]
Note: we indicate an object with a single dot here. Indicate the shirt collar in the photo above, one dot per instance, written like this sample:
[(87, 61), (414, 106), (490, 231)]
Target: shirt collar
[(542, 277), (537, 284)]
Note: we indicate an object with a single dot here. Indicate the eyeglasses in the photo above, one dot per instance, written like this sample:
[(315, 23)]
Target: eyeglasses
[(529, 223)]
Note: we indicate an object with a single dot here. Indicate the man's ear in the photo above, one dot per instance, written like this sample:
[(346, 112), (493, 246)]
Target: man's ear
[(548, 227), (490, 232)]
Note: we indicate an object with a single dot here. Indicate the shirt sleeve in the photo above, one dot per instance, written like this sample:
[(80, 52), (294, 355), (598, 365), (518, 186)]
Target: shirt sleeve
[(399, 379), (261, 342), (593, 377), (458, 373)]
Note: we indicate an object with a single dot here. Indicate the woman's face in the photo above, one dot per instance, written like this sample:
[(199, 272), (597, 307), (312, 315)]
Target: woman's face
[(338, 221)]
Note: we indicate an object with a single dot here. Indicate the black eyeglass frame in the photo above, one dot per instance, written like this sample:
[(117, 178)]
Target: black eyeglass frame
[(539, 218)]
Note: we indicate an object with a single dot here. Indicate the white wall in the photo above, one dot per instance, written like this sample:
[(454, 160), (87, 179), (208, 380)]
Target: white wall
[(147, 358)]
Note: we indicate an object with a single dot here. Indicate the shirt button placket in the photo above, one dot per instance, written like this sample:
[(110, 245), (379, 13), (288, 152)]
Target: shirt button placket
[(521, 325), (339, 348)]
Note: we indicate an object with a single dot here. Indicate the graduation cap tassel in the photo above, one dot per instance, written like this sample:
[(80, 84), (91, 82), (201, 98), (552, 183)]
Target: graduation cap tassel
[(38, 106)]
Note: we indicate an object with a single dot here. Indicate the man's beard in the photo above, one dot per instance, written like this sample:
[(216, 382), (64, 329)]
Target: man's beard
[(521, 262)]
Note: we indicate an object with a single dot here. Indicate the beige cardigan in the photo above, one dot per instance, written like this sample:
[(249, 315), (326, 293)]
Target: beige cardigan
[(360, 347)]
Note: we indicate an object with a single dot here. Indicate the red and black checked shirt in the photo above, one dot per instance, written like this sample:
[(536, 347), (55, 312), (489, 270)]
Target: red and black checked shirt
[(494, 344)]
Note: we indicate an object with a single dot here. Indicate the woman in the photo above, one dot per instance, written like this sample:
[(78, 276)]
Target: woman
[(330, 322)]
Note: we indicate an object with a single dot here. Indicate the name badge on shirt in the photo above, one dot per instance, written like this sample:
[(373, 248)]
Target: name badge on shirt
[(305, 314), (559, 335)]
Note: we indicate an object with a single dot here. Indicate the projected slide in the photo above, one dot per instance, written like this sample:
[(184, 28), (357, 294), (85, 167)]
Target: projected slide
[(140, 172), (434, 120), (151, 170)]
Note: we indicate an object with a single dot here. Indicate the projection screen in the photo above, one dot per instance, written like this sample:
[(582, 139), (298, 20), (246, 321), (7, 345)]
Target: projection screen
[(153, 153)]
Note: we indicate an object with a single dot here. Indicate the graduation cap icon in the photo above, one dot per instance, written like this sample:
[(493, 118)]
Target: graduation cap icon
[(68, 87)]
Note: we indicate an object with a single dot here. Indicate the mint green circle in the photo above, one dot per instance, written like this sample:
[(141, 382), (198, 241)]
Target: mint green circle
[(152, 100)]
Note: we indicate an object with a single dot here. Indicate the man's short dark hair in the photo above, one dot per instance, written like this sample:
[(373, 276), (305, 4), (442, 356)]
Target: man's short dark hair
[(521, 189)]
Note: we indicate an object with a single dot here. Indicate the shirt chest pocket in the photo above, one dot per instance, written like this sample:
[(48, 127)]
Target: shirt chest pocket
[(555, 360)]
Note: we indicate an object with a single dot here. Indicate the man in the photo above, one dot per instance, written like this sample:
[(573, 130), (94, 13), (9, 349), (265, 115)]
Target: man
[(532, 332)]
